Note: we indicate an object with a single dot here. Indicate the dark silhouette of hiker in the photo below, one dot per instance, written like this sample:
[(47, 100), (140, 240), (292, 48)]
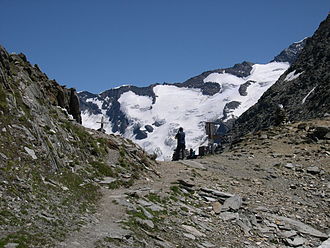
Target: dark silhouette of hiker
[(181, 146), (192, 154)]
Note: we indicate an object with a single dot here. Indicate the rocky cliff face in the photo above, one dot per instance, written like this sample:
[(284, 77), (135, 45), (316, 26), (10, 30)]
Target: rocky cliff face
[(303, 90), (16, 66), (50, 165)]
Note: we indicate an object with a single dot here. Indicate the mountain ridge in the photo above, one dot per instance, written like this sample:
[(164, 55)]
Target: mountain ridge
[(210, 84)]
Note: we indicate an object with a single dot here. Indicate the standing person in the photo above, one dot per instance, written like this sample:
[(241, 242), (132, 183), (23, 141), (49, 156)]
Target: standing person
[(181, 146)]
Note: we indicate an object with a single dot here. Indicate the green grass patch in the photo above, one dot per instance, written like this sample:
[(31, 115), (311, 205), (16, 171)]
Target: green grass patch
[(3, 101), (102, 169), (175, 189)]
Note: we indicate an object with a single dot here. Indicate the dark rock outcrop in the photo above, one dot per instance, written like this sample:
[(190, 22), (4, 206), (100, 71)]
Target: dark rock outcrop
[(139, 134), (51, 90), (209, 88), (291, 53), (111, 105), (229, 107), (149, 128), (243, 88)]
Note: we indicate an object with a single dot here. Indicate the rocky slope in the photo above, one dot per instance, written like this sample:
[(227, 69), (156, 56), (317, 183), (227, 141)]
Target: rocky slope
[(51, 166), (303, 90), (151, 115), (272, 189)]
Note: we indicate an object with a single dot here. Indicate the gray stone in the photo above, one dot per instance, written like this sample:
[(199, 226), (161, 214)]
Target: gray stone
[(146, 213), (325, 244), (163, 243), (217, 193), (155, 207), (211, 199), (193, 231), (228, 216), (189, 236), (108, 180), (4, 130), (264, 229), (327, 136), (299, 226), (232, 203), (313, 170), (244, 227), (30, 152), (264, 136), (207, 244), (11, 245), (186, 183), (144, 203), (148, 223), (297, 241), (289, 166), (3, 156), (151, 205), (288, 234), (262, 209)]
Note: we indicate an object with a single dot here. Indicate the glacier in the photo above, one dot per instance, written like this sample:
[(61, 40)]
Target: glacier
[(173, 107)]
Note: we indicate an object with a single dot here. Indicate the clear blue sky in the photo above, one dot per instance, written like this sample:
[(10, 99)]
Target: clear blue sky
[(95, 45)]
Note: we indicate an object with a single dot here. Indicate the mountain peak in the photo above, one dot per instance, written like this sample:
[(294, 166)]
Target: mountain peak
[(291, 53)]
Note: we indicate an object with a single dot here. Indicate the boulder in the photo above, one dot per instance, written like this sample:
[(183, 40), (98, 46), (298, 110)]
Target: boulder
[(228, 216), (300, 227), (139, 135), (297, 241), (313, 170), (193, 231), (233, 203), (149, 128), (321, 132)]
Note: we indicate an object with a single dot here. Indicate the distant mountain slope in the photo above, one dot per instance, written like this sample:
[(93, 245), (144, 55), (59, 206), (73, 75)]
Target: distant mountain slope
[(303, 90), (151, 115)]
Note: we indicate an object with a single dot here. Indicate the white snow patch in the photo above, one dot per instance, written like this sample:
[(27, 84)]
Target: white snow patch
[(223, 78), (304, 100), (301, 40), (292, 75), (265, 75)]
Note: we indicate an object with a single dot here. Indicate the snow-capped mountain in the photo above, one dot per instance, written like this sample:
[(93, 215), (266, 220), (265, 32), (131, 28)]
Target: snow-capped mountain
[(150, 116)]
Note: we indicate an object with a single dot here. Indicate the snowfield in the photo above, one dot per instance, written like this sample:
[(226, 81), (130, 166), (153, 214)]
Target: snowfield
[(176, 107)]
